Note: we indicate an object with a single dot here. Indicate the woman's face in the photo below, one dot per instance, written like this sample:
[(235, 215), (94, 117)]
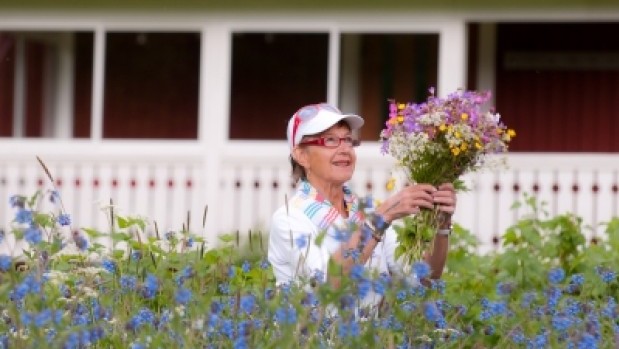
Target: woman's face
[(329, 166)]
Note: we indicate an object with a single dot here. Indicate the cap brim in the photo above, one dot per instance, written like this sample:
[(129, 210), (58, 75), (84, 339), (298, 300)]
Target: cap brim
[(354, 121)]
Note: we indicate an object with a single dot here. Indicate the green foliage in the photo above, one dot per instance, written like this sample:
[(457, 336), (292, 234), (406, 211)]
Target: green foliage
[(172, 291)]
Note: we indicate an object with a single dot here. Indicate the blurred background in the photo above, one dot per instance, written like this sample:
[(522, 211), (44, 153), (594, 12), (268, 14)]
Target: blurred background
[(166, 107)]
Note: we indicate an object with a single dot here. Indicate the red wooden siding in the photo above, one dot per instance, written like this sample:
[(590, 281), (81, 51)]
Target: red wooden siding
[(559, 109)]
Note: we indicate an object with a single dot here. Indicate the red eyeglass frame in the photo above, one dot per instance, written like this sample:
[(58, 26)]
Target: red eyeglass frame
[(321, 141)]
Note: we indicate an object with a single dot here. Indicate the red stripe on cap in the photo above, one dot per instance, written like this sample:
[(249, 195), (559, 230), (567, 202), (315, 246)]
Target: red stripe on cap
[(295, 126)]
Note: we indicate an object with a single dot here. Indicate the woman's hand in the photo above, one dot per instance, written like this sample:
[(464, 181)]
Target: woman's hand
[(445, 197), (411, 199)]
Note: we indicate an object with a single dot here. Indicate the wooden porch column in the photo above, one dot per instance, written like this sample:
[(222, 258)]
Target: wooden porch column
[(213, 118), (452, 57)]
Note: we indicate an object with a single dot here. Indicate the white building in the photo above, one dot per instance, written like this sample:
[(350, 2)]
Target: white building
[(166, 109)]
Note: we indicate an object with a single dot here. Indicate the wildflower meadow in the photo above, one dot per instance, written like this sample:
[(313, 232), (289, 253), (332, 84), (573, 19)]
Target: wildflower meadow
[(547, 287)]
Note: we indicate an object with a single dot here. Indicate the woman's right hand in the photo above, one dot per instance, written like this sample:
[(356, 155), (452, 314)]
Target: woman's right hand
[(409, 200)]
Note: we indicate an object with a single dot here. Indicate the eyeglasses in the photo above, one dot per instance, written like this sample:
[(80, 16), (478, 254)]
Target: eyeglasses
[(332, 141), (308, 112)]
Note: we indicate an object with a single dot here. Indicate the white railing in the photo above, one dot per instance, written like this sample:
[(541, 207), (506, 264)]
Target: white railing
[(166, 180)]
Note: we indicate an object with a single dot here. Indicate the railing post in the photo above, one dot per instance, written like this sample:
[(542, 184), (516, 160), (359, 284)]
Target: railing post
[(213, 117)]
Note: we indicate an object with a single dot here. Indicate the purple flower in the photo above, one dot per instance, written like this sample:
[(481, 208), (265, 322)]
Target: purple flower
[(561, 323), (17, 201), (150, 287), (64, 219), (431, 312), (33, 235), (577, 279), (286, 315), (246, 266), (363, 288), (504, 288), (5, 262), (301, 241), (183, 295), (247, 303), (556, 275), (23, 216), (379, 285), (42, 318), (54, 196), (128, 282), (518, 336), (421, 269), (587, 341), (80, 242), (109, 266), (136, 255), (356, 272)]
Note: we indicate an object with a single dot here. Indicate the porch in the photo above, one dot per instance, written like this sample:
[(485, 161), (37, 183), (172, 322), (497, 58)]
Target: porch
[(242, 183)]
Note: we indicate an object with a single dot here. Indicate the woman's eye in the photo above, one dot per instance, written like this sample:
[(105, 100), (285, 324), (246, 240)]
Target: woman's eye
[(332, 140)]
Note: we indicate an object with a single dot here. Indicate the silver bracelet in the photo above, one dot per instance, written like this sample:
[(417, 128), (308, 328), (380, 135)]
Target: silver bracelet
[(444, 232)]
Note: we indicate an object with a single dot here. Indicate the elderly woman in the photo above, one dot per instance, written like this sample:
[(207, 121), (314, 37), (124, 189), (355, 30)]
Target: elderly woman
[(322, 153)]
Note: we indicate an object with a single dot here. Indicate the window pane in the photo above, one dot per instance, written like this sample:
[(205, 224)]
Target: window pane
[(375, 68), (151, 85), (45, 83), (82, 104), (272, 76), (7, 74)]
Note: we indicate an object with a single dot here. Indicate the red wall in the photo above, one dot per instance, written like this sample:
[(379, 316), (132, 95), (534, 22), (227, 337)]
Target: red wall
[(559, 110)]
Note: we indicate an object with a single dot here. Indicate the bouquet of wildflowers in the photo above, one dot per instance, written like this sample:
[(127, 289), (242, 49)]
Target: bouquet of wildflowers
[(436, 142)]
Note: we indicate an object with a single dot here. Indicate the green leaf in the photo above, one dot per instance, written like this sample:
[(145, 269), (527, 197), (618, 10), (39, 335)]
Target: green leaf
[(120, 236), (320, 238), (510, 237), (211, 257), (227, 238), (118, 254), (122, 222), (43, 220), (92, 233)]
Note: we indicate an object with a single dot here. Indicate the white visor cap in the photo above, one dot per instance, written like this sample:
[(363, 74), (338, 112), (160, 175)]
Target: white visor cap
[(315, 118)]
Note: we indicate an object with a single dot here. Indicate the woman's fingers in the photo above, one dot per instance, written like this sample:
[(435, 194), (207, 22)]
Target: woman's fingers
[(413, 198), (445, 197)]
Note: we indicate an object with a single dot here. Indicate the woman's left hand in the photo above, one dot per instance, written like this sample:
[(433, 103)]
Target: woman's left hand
[(445, 198)]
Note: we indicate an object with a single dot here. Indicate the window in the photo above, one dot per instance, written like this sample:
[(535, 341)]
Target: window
[(375, 68), (273, 74), (45, 83), (151, 85)]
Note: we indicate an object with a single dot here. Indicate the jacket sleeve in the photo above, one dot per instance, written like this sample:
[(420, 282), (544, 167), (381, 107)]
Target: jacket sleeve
[(293, 252)]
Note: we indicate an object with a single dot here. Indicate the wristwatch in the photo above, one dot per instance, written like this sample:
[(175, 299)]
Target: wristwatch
[(378, 226), (445, 231)]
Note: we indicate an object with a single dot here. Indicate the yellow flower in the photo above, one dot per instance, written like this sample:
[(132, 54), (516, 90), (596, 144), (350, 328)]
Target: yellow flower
[(442, 127), (400, 119), (464, 116), (401, 106), (464, 146), (478, 145), (390, 184), (457, 135), (455, 151), (511, 133)]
